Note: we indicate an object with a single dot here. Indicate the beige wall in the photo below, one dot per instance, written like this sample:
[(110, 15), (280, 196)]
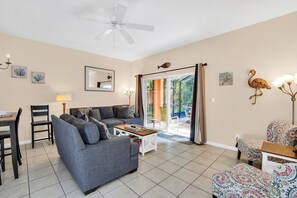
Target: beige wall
[(270, 48), (64, 70)]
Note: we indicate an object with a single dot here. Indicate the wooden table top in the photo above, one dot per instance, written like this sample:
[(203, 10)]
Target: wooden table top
[(144, 132), (278, 149), (10, 118)]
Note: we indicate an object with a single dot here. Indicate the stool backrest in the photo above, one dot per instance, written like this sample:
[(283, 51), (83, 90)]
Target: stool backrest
[(40, 111)]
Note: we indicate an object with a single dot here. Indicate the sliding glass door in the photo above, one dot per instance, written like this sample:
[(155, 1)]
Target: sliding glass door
[(156, 104), (168, 103)]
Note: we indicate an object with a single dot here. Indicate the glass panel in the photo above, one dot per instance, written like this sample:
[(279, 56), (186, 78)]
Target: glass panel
[(181, 92), (156, 104)]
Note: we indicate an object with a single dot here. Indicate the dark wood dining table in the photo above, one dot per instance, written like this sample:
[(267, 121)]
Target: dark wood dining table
[(10, 121)]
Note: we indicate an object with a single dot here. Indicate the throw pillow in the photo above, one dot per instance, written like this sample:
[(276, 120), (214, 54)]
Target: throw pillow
[(67, 118), (104, 133), (88, 131), (123, 112), (82, 115), (131, 112), (95, 114), (106, 112)]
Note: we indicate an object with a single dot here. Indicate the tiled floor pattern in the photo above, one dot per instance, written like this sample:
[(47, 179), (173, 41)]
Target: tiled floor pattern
[(175, 170)]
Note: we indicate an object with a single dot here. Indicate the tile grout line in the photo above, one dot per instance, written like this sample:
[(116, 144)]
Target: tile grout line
[(55, 173)]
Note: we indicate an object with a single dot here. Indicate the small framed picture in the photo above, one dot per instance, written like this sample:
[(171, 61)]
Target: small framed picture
[(226, 78), (19, 71), (38, 77)]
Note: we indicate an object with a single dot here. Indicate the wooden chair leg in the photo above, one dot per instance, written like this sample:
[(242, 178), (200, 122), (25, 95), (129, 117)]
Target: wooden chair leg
[(238, 154)]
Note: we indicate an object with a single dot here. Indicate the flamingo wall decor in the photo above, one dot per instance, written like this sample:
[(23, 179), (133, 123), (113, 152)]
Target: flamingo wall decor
[(257, 84)]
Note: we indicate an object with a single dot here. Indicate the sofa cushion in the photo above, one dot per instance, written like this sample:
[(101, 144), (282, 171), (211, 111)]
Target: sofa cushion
[(95, 113), (131, 120), (67, 118), (88, 131), (106, 112), (104, 133), (112, 122)]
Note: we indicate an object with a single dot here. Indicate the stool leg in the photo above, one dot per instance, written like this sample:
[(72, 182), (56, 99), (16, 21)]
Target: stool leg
[(52, 133), (250, 162), (32, 128), (238, 154), (2, 155)]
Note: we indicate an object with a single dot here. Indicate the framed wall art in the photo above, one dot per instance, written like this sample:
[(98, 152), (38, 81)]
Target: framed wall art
[(38, 77), (19, 71), (226, 78)]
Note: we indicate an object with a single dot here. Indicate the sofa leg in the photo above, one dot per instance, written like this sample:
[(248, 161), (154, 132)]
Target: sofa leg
[(90, 191), (132, 171), (238, 154), (250, 162)]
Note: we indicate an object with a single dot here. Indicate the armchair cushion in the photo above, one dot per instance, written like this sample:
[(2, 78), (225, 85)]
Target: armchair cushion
[(284, 183), (88, 131), (241, 180)]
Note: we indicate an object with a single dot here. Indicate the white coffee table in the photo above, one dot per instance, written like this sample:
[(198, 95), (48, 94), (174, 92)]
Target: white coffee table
[(148, 137), (278, 151)]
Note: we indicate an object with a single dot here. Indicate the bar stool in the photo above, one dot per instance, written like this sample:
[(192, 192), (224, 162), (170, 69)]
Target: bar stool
[(40, 117), (5, 135)]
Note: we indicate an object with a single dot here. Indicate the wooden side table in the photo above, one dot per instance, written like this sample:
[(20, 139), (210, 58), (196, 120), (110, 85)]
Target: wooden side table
[(278, 151)]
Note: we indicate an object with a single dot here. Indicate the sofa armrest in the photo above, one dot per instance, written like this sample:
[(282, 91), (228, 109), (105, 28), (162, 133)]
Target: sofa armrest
[(284, 180), (107, 159)]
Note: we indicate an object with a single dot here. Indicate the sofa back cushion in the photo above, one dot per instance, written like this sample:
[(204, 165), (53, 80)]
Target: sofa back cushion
[(106, 112), (104, 133), (67, 118), (88, 131)]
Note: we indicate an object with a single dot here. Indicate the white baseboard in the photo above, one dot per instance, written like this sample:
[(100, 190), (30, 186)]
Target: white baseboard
[(21, 143), (232, 148)]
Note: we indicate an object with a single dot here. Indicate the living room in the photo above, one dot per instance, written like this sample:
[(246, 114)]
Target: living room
[(267, 46)]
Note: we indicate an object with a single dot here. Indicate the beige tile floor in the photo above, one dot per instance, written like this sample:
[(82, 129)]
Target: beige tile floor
[(175, 170)]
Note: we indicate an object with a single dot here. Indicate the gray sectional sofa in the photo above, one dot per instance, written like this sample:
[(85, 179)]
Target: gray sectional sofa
[(91, 159), (109, 115)]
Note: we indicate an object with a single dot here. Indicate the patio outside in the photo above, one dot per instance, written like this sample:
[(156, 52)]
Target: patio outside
[(181, 97)]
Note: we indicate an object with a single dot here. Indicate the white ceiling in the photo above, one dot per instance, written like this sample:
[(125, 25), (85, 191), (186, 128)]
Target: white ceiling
[(177, 22)]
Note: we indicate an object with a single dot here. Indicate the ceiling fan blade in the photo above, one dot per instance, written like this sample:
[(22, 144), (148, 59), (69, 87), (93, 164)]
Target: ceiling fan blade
[(85, 18), (121, 11), (140, 27), (127, 36), (103, 34)]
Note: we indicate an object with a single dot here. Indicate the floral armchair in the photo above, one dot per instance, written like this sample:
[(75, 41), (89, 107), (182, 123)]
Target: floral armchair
[(246, 181), (279, 132)]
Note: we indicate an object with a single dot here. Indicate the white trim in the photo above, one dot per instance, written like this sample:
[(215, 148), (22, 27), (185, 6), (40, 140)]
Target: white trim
[(23, 142), (232, 148)]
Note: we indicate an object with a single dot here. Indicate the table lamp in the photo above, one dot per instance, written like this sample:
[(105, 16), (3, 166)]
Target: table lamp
[(64, 97)]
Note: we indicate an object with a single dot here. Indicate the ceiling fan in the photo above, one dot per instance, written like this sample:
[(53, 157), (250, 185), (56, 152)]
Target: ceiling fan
[(116, 24)]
